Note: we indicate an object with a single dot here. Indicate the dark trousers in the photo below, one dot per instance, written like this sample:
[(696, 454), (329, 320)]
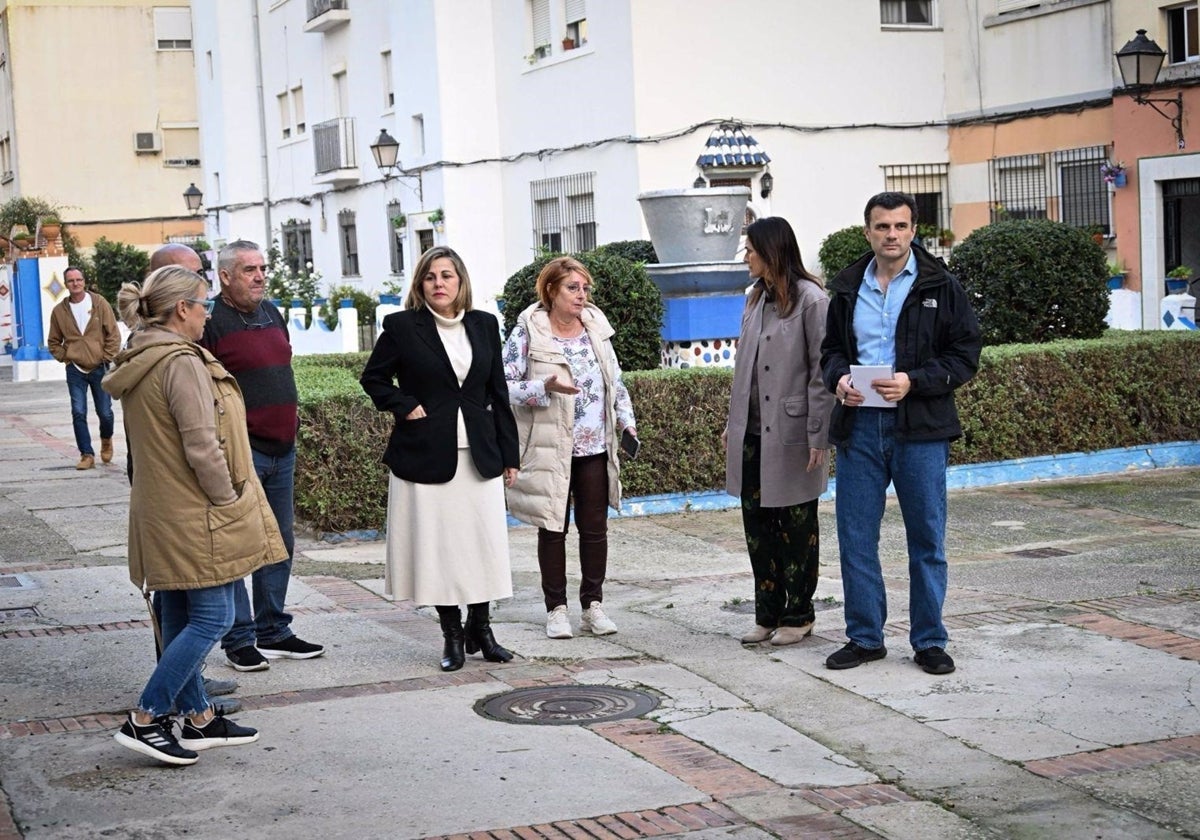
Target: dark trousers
[(589, 494), (784, 549)]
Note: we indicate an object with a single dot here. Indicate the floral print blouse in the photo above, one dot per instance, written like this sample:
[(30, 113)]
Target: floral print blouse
[(589, 437)]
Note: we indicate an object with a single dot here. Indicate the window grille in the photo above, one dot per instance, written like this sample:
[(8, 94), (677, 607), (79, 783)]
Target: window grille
[(1066, 186), (906, 12), (348, 235), (395, 237), (297, 245), (564, 215), (928, 183)]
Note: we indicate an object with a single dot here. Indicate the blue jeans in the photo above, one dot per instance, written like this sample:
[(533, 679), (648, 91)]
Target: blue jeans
[(873, 458), (78, 384), (268, 624), (192, 621)]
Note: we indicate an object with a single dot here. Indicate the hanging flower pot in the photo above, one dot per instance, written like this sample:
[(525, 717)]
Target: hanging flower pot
[(1119, 180)]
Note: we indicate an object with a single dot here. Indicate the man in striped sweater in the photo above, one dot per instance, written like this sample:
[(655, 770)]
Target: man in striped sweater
[(250, 338)]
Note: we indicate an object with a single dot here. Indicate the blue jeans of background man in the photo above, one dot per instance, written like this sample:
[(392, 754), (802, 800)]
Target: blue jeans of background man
[(192, 621), (865, 465), (268, 623), (78, 385)]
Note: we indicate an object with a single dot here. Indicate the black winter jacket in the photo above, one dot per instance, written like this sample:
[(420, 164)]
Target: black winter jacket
[(937, 345)]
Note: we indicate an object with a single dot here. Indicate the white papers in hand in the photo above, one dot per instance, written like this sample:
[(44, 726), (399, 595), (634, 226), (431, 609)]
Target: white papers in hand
[(861, 377)]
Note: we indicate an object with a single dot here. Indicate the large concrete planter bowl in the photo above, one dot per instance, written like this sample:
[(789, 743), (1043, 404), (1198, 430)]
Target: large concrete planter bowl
[(695, 225)]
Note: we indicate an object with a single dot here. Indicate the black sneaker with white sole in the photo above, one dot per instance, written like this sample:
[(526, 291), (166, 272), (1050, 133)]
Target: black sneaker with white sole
[(156, 740), (246, 659), (293, 647), (218, 732)]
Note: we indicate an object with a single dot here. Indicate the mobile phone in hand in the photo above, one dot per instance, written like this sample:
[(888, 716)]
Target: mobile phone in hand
[(630, 444)]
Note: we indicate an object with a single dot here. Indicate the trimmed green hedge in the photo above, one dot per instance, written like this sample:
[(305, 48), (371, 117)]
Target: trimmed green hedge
[(1125, 389)]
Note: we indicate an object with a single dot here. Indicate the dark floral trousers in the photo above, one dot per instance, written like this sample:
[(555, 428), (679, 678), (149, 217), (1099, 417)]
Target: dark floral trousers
[(784, 548)]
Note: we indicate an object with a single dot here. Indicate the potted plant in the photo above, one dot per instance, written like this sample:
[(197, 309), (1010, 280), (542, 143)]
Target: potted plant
[(1177, 279), (51, 227), (945, 237), (927, 233), (1113, 173), (438, 219), (23, 240), (399, 222), (1097, 234), (1116, 274), (568, 43)]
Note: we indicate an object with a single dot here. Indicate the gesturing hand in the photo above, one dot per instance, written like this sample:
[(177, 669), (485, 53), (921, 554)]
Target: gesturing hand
[(554, 386)]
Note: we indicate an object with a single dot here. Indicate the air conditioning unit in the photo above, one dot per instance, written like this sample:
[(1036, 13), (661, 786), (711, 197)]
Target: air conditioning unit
[(146, 143)]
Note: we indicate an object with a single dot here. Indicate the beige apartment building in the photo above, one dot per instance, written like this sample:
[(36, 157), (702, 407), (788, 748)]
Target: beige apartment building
[(98, 114)]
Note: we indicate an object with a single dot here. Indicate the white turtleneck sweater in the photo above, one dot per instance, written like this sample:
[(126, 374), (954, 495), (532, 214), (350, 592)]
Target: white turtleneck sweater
[(458, 348)]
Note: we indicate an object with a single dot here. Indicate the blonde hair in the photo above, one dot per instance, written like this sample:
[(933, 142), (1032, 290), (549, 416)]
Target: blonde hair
[(416, 291), (557, 272), (150, 303)]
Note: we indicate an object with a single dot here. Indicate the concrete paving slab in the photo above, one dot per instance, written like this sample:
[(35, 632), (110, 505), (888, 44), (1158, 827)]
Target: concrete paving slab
[(772, 749), (733, 832), (1158, 792), (366, 553), (1178, 618), (1158, 496), (447, 771), (90, 528), (773, 805), (913, 820), (1026, 691), (684, 694)]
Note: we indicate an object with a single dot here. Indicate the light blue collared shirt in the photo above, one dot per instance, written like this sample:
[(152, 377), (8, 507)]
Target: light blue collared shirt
[(876, 313)]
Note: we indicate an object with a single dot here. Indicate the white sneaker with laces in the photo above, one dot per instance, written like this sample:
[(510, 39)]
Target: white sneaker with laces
[(558, 626), (594, 621)]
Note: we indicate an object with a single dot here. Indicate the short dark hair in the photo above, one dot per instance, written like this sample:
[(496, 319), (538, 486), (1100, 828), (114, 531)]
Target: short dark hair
[(82, 273), (890, 201)]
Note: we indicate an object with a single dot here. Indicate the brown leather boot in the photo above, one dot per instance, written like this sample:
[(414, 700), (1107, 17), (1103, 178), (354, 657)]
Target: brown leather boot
[(106, 450), (86, 462)]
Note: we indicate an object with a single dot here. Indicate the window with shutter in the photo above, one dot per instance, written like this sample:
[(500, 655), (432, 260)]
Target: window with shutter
[(906, 12), (173, 28)]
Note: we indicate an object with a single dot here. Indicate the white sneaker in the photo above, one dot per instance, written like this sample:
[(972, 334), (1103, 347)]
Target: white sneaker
[(594, 621), (558, 626)]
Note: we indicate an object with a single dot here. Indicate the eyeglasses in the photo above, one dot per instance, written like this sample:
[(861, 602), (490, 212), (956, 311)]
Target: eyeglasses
[(256, 324), (207, 303)]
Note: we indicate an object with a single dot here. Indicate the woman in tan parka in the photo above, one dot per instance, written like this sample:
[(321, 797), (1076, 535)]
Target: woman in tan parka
[(198, 519)]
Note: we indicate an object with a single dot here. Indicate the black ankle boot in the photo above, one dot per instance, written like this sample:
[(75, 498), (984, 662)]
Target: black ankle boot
[(479, 635), (453, 655)]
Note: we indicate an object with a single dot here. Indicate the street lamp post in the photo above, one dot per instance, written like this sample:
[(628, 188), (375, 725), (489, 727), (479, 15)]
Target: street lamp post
[(1140, 61), (194, 198), (386, 151)]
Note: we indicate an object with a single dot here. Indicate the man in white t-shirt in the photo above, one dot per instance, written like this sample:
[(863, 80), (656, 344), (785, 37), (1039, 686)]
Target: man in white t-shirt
[(84, 337)]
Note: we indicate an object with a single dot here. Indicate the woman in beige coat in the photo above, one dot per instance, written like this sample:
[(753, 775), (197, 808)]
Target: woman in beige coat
[(571, 408), (776, 436), (198, 519)]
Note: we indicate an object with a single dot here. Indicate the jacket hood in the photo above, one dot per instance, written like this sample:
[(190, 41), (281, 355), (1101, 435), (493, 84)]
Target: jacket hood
[(929, 267), (145, 349), (594, 320)]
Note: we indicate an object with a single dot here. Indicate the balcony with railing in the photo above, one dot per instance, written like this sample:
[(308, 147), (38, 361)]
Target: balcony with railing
[(324, 15), (334, 152)]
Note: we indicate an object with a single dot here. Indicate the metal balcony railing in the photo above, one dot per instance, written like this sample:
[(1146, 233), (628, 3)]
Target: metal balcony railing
[(316, 8), (333, 144)]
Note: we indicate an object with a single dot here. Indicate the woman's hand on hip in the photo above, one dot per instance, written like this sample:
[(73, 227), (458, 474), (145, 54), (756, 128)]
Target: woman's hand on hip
[(553, 386), (510, 476), (416, 414)]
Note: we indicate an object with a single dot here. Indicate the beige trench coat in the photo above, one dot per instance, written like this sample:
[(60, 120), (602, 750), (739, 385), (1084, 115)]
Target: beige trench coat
[(793, 402)]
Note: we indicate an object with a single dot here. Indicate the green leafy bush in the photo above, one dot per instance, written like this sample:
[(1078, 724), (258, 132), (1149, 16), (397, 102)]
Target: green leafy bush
[(1033, 280), (115, 263), (365, 304), (623, 290), (634, 250), (840, 248), (26, 210)]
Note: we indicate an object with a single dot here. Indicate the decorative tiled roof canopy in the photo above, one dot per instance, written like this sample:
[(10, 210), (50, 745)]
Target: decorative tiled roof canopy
[(730, 145)]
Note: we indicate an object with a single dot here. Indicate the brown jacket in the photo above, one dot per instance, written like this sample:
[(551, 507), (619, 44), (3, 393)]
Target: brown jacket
[(793, 404), (98, 343), (198, 516)]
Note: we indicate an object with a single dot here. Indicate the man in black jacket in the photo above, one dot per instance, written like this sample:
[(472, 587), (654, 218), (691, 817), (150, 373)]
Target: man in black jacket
[(899, 308)]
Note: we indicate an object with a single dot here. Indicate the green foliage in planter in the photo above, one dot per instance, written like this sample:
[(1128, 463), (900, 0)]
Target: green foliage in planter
[(26, 210), (634, 250), (623, 290), (680, 415), (365, 304), (840, 248), (115, 263), (341, 484), (1033, 280)]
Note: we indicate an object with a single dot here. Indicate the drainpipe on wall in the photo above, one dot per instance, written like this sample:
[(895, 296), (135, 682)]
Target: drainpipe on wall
[(262, 124)]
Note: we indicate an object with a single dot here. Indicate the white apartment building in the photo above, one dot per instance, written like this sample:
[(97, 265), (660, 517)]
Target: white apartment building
[(538, 122)]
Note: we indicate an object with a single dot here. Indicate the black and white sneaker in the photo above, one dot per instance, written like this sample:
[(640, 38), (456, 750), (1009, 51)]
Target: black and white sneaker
[(156, 740), (246, 659), (293, 647), (218, 732)]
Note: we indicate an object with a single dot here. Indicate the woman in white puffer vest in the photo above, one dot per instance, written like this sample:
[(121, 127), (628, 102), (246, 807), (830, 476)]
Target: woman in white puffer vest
[(571, 407)]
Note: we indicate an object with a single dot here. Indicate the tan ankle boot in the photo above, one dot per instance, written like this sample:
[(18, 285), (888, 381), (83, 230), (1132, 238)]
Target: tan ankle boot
[(86, 462), (106, 450)]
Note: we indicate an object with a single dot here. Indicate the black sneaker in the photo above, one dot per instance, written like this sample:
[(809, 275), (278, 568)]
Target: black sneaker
[(246, 659), (293, 647), (934, 660), (218, 732), (851, 656), (156, 740)]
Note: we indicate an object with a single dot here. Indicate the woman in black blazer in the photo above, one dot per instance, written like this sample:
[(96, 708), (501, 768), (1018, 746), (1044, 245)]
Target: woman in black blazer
[(436, 367)]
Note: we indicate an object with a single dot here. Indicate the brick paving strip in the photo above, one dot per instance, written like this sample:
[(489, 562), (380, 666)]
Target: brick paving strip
[(1127, 757)]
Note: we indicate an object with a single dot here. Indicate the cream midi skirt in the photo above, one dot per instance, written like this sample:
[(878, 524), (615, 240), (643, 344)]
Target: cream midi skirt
[(447, 543)]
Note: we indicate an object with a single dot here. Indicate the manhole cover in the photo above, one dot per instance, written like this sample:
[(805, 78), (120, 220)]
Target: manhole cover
[(561, 705), (1038, 553), (17, 613)]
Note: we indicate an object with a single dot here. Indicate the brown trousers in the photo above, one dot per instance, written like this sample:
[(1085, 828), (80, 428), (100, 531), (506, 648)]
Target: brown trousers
[(589, 494)]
